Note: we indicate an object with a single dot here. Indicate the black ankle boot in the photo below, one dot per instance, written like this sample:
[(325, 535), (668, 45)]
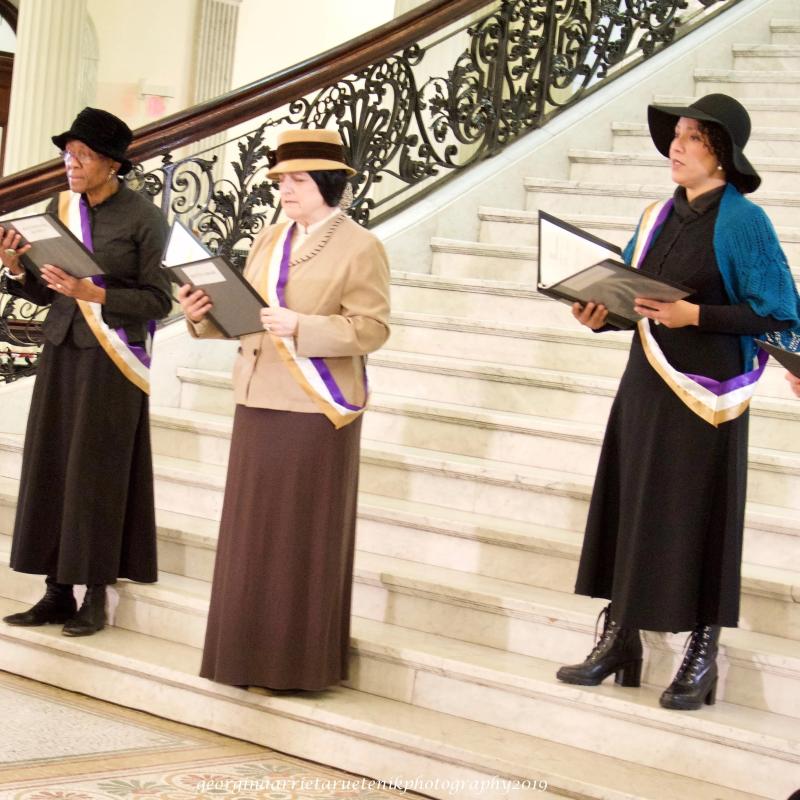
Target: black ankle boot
[(92, 615), (696, 680), (618, 650), (57, 606)]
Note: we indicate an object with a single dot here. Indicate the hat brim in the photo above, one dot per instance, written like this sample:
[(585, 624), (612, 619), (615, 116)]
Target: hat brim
[(661, 121), (60, 141), (308, 165)]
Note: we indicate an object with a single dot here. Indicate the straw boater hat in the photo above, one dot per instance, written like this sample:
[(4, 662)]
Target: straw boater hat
[(306, 150), (103, 132), (728, 113)]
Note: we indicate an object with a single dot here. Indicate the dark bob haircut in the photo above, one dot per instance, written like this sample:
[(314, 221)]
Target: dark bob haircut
[(331, 183)]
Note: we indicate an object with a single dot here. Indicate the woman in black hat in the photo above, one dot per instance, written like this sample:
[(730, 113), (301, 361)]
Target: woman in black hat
[(664, 533), (85, 509)]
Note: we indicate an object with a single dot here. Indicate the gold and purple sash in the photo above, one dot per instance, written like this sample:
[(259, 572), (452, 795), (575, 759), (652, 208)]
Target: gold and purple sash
[(133, 361), (312, 374), (714, 401)]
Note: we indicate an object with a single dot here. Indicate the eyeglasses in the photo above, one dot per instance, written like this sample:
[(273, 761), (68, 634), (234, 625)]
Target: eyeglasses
[(81, 158)]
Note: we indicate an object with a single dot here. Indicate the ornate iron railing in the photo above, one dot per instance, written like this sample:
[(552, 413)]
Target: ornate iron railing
[(446, 92)]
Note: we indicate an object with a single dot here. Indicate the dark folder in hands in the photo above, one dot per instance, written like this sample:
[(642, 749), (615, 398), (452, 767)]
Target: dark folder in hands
[(52, 242), (236, 304), (576, 267), (786, 358)]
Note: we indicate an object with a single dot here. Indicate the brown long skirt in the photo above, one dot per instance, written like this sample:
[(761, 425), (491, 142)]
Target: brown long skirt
[(280, 600)]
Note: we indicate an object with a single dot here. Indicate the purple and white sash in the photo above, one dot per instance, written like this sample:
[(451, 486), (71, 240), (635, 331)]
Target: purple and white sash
[(714, 401), (133, 361), (311, 374)]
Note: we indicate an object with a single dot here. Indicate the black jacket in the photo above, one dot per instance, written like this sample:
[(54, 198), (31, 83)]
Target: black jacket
[(129, 234)]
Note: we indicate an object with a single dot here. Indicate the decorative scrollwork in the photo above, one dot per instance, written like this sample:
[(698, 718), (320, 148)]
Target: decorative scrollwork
[(21, 335), (521, 63)]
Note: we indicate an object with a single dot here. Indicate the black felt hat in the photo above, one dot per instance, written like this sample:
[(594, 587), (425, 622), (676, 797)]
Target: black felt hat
[(103, 132), (728, 113)]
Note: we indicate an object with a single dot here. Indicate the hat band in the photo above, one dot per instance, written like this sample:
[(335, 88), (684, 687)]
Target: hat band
[(292, 151)]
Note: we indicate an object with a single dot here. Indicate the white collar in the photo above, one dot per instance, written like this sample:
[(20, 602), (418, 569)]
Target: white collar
[(315, 226)]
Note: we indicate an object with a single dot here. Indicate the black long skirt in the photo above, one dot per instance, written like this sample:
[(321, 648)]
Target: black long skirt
[(280, 601), (85, 511), (664, 534)]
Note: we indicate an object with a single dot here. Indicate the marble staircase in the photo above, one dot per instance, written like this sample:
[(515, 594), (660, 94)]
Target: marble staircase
[(478, 457)]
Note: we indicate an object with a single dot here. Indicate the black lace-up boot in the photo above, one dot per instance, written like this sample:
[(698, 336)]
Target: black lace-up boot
[(696, 680), (92, 615), (57, 606), (617, 650)]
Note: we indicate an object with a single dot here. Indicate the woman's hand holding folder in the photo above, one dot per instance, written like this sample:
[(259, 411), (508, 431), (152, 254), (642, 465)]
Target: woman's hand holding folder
[(592, 315)]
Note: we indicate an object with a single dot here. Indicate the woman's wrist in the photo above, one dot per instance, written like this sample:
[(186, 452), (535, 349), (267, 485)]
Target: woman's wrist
[(14, 276)]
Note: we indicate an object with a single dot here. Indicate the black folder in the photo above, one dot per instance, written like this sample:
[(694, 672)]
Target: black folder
[(786, 358), (601, 277), (52, 242), (236, 304)]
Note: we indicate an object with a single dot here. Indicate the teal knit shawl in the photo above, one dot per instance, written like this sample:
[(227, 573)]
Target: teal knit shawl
[(753, 267)]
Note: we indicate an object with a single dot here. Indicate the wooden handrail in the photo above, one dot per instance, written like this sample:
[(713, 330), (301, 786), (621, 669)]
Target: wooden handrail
[(44, 180)]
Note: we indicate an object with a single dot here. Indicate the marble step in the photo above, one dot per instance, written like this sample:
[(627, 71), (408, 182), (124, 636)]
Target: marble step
[(540, 392), (521, 342), (485, 300), (533, 620), (765, 112), (509, 490), (785, 31), (456, 258), (763, 142), (476, 299), (770, 57), (511, 226), (595, 166), (543, 441), (538, 554), (744, 84), (759, 672), (446, 755), (560, 197), (192, 434)]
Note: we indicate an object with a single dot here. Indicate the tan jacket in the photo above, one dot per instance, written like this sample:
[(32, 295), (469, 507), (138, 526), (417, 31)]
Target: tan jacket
[(342, 296)]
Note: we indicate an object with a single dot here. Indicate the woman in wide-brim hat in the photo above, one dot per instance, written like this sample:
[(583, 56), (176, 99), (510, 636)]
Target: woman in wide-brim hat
[(663, 538), (85, 509), (280, 602)]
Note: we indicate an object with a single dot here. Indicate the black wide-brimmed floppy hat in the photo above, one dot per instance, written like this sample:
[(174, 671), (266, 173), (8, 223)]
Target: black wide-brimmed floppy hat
[(728, 113), (103, 132)]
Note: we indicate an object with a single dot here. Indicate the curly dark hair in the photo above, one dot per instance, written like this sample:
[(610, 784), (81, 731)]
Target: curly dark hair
[(719, 143)]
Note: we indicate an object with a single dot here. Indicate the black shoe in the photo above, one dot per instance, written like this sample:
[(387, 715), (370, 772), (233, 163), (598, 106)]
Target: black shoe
[(92, 615), (695, 682), (618, 650), (56, 607)]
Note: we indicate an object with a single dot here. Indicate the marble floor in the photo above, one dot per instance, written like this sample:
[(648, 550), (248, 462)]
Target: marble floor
[(57, 745)]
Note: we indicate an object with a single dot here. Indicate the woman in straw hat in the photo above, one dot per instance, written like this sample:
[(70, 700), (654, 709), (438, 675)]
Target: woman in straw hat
[(280, 601), (85, 510), (664, 533)]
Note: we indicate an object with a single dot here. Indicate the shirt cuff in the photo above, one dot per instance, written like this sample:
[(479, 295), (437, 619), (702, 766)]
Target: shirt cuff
[(12, 277)]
